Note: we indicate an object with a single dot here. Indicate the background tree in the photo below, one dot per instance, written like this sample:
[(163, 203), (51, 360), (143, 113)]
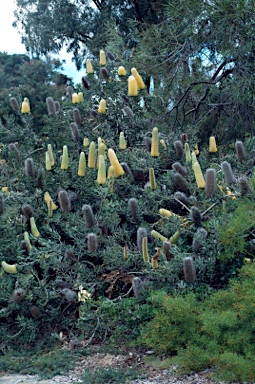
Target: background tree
[(47, 26)]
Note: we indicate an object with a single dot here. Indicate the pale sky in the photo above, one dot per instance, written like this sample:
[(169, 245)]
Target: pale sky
[(10, 40)]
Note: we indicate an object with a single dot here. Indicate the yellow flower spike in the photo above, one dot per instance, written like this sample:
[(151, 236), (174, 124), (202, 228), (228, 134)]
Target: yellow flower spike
[(187, 153), (196, 150), (152, 179), (154, 143), (125, 252), (9, 268), (166, 213), (80, 97), (48, 199), (122, 141), (49, 150), (158, 235), (193, 158), (229, 193), (85, 142), (102, 57), (5, 189), (47, 161), (34, 229), (27, 240), (115, 163), (92, 155), (102, 106), (111, 172), (132, 86), (175, 237), (145, 251), (212, 144), (220, 188), (82, 165), (247, 260), (199, 175), (26, 100), (101, 151), (138, 78), (122, 71), (101, 175), (25, 107), (89, 67), (99, 141), (163, 143), (64, 162), (75, 98)]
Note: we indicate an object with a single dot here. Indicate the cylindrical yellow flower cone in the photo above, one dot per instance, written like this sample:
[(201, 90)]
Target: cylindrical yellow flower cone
[(47, 161), (187, 153), (111, 172), (102, 106), (101, 174), (132, 86), (154, 143), (92, 155), (122, 141), (138, 78), (75, 98), (85, 142), (25, 107), (80, 97), (89, 67), (199, 175), (212, 144), (115, 163), (51, 156), (82, 165), (64, 162), (122, 71), (33, 227), (152, 179), (102, 57)]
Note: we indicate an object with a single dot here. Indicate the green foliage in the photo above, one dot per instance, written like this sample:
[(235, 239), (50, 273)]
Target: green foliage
[(217, 332), (234, 235)]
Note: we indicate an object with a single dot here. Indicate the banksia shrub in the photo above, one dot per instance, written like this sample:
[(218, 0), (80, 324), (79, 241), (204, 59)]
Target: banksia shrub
[(88, 216), (13, 149), (18, 295), (132, 203), (179, 168), (64, 201), (181, 182), (141, 233), (1, 203), (92, 242), (51, 107), (210, 182), (77, 116), (178, 146), (14, 103), (228, 173), (189, 270), (195, 215), (240, 153), (198, 239), (30, 168), (27, 211), (243, 185), (75, 132)]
